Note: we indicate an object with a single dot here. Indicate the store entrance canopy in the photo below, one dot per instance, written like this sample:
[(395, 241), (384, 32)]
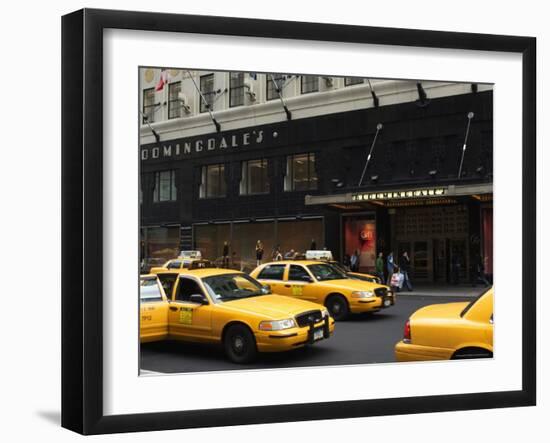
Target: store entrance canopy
[(388, 197)]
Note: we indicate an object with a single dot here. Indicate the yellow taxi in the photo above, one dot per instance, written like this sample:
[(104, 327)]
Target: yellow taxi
[(212, 305), (321, 282), (153, 307), (449, 331), (181, 263)]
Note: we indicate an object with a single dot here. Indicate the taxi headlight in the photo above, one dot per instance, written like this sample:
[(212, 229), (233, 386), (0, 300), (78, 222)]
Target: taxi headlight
[(362, 294), (277, 325)]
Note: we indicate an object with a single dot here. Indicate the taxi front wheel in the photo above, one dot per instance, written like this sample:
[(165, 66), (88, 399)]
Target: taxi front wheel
[(338, 307), (239, 344)]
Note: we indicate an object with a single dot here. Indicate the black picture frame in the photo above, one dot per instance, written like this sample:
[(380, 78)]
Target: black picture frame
[(82, 187)]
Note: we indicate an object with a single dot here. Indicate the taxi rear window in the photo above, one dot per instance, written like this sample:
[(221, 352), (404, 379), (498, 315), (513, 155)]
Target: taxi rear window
[(174, 265), (472, 303), (149, 291), (272, 272)]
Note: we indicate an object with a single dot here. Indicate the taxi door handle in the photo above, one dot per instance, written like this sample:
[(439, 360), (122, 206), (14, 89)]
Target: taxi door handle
[(288, 286), (173, 308)]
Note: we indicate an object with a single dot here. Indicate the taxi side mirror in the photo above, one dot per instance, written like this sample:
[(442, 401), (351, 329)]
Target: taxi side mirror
[(266, 289), (198, 298), (307, 278)]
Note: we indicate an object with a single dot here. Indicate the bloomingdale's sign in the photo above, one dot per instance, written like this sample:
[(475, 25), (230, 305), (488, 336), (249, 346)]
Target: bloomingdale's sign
[(204, 145)]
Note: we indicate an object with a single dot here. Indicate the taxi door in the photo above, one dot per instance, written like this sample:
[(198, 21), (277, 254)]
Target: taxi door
[(299, 283), (167, 280), (188, 320), (273, 275), (153, 311)]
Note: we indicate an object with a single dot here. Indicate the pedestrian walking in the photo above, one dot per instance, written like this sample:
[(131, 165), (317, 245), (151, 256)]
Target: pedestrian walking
[(390, 266), (405, 267), (277, 255), (225, 254), (355, 261), (479, 272), (396, 279), (259, 252), (347, 261), (379, 266), (290, 255)]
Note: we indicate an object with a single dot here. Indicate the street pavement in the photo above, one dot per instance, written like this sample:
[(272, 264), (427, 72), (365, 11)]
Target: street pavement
[(364, 338)]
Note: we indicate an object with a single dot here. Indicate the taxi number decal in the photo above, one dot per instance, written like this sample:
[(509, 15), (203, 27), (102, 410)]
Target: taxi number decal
[(186, 316), (297, 290)]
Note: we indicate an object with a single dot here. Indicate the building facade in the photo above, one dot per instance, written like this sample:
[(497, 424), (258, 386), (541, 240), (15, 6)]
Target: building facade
[(347, 164)]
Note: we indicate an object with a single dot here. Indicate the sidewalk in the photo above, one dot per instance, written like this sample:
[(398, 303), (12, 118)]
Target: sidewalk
[(444, 290)]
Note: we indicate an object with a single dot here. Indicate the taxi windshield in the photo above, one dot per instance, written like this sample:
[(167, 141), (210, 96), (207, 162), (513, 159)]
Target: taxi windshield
[(233, 287), (338, 266), (149, 290), (324, 272)]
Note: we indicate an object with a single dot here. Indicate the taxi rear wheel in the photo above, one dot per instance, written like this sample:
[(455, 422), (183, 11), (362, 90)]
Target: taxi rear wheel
[(467, 353), (338, 307), (239, 344)]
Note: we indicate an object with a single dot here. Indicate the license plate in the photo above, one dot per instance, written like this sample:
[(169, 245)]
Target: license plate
[(318, 334)]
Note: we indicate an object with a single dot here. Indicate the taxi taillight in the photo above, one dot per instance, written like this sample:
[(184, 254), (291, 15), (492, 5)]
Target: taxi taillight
[(407, 331)]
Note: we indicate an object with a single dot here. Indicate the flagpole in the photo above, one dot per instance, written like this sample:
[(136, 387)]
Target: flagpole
[(216, 124), (470, 117), (287, 112), (146, 120), (379, 126), (375, 100)]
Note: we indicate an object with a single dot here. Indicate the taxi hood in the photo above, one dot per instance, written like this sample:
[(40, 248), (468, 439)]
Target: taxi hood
[(272, 306)]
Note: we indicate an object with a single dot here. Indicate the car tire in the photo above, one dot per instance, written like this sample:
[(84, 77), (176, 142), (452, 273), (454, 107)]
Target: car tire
[(239, 344), (470, 353), (338, 307)]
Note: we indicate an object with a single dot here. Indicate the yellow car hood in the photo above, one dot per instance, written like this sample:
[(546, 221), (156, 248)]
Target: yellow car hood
[(443, 311), (273, 307)]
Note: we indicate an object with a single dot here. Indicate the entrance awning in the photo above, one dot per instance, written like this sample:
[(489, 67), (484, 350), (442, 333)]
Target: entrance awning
[(390, 196)]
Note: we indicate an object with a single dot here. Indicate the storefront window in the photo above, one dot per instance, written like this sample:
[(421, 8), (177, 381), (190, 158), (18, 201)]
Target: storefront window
[(360, 236), (159, 246), (296, 235), (300, 173), (254, 179), (165, 186), (299, 235), (213, 181), (245, 236), (209, 239)]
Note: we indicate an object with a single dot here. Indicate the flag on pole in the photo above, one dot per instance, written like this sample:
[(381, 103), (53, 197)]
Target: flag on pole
[(163, 80)]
